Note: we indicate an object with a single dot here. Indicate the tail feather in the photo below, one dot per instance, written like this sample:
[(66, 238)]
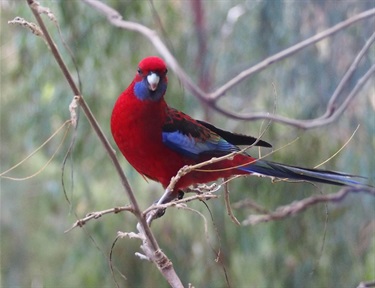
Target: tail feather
[(277, 170)]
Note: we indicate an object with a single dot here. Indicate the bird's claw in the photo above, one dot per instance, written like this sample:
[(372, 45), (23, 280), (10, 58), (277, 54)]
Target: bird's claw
[(160, 212)]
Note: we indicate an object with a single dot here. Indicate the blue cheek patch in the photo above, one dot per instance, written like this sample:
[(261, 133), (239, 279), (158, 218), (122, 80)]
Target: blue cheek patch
[(142, 92)]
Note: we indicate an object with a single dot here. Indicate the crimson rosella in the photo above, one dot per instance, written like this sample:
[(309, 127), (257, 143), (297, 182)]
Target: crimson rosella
[(158, 140)]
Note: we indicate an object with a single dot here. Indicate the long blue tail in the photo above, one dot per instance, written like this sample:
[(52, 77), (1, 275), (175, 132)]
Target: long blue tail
[(282, 171)]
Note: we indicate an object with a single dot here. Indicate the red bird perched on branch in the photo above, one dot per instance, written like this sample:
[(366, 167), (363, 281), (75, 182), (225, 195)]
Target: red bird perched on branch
[(158, 140)]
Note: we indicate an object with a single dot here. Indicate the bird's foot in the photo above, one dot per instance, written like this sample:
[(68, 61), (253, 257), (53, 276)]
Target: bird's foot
[(164, 200), (161, 212)]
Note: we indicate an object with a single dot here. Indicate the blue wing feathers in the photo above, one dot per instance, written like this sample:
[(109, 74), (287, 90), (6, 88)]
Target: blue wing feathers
[(193, 139), (193, 147), (189, 137)]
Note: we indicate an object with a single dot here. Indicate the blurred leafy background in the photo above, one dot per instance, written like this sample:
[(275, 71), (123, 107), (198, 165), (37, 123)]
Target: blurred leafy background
[(35, 251)]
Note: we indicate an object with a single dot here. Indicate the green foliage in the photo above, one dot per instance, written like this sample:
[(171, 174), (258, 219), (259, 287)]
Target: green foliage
[(295, 252)]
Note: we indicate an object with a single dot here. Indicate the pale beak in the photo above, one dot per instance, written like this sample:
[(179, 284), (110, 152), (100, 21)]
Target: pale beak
[(153, 81)]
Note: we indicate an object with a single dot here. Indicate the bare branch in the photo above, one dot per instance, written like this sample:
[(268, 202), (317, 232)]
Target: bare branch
[(92, 120), (167, 270), (98, 214), (248, 203), (164, 265), (368, 284), (115, 18), (288, 52), (299, 206), (177, 203), (151, 212), (332, 112), (29, 25), (332, 102), (228, 206)]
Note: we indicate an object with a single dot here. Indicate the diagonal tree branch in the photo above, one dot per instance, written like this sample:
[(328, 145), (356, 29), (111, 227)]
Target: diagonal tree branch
[(332, 107), (33, 5), (150, 243)]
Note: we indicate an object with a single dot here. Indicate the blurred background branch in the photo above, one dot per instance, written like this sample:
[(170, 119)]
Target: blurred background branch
[(333, 111)]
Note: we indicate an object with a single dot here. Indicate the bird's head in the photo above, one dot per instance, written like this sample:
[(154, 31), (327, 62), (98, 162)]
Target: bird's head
[(151, 79)]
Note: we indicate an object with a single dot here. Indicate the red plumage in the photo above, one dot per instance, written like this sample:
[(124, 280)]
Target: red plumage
[(137, 129), (158, 140)]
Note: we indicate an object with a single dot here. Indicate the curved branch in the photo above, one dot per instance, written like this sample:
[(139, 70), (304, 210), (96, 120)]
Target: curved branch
[(115, 18), (331, 104), (288, 52), (311, 123), (299, 206), (332, 112)]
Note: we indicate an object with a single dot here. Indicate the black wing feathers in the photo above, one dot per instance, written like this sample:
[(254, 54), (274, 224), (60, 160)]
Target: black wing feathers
[(233, 138)]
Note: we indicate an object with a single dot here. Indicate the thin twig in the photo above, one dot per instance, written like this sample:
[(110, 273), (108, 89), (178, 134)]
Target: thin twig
[(247, 203), (29, 25), (204, 196), (67, 122), (338, 151), (98, 214), (228, 206)]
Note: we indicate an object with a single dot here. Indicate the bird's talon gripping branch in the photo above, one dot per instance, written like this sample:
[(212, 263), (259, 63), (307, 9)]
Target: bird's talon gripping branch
[(154, 214), (160, 212), (180, 194)]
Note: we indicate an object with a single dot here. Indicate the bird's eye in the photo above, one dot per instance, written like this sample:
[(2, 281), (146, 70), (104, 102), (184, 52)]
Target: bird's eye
[(166, 71), (139, 71)]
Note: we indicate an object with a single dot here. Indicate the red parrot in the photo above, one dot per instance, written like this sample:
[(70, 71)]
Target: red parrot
[(158, 140)]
